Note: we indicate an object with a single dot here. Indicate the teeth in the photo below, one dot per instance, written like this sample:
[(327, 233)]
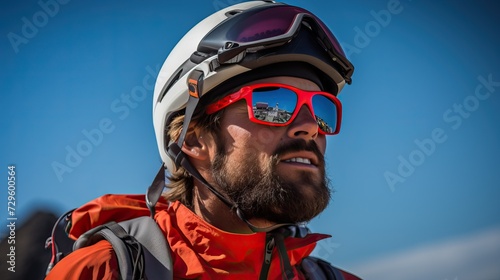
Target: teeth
[(299, 160)]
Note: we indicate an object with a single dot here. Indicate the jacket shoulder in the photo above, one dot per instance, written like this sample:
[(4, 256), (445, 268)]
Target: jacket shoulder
[(93, 262)]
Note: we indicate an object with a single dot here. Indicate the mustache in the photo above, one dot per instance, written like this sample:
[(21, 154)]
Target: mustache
[(299, 145)]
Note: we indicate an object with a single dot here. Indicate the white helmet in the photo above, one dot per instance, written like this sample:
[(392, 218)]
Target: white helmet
[(235, 41)]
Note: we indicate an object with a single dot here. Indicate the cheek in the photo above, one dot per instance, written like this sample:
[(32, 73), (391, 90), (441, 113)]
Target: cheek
[(243, 133), (252, 142), (321, 141)]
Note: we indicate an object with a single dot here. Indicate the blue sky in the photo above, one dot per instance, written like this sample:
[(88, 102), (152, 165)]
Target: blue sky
[(415, 168)]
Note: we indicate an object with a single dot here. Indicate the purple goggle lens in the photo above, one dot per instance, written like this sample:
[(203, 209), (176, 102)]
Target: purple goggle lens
[(273, 22)]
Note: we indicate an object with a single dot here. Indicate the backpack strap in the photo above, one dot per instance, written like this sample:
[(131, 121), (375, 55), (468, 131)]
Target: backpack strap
[(318, 269), (136, 242)]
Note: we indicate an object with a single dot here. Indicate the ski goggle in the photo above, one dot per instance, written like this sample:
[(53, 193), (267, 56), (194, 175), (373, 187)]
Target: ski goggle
[(265, 27), (279, 105)]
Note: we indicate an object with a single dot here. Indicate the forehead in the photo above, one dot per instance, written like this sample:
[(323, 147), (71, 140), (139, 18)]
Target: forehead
[(300, 83)]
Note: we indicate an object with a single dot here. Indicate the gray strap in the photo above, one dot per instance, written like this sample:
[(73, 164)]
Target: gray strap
[(157, 254), (103, 232), (157, 258)]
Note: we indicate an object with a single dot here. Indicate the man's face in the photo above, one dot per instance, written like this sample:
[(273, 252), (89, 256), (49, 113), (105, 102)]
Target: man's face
[(272, 173)]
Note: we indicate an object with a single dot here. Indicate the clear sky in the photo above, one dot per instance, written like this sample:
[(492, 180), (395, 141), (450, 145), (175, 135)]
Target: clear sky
[(415, 168)]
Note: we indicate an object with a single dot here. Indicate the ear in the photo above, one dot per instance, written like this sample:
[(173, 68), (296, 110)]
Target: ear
[(195, 146)]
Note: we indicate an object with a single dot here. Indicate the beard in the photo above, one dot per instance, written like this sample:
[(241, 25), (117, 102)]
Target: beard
[(261, 192)]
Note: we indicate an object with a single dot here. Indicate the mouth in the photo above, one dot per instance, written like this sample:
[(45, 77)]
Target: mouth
[(302, 159), (299, 160)]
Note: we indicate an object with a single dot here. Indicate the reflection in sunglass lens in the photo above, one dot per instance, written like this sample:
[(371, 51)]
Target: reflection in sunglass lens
[(276, 105), (326, 113), (273, 104)]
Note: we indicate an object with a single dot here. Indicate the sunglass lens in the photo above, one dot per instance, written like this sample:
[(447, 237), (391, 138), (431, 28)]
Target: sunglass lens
[(326, 113), (273, 104)]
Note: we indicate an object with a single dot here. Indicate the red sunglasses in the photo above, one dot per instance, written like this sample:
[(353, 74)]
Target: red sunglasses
[(279, 104)]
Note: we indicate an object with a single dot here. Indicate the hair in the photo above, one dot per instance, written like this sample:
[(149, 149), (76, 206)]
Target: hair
[(180, 182)]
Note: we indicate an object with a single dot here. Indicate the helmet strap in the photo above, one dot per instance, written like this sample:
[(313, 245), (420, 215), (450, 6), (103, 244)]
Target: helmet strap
[(195, 88)]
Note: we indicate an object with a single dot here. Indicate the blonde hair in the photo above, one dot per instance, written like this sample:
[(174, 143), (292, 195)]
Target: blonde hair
[(180, 182)]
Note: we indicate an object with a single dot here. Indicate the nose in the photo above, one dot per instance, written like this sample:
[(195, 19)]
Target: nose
[(304, 125)]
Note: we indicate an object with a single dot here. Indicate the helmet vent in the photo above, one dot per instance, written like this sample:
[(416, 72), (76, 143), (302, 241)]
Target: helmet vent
[(171, 83), (232, 13)]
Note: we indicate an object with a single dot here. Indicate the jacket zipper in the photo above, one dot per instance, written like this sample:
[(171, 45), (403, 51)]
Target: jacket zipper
[(267, 257)]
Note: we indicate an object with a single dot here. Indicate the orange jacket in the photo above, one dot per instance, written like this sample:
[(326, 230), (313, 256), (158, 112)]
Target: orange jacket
[(199, 250)]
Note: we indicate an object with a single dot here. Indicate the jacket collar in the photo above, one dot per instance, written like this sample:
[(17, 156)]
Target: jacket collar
[(202, 250)]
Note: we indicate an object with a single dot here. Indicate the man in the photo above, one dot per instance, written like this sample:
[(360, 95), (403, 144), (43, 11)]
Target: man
[(242, 108)]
